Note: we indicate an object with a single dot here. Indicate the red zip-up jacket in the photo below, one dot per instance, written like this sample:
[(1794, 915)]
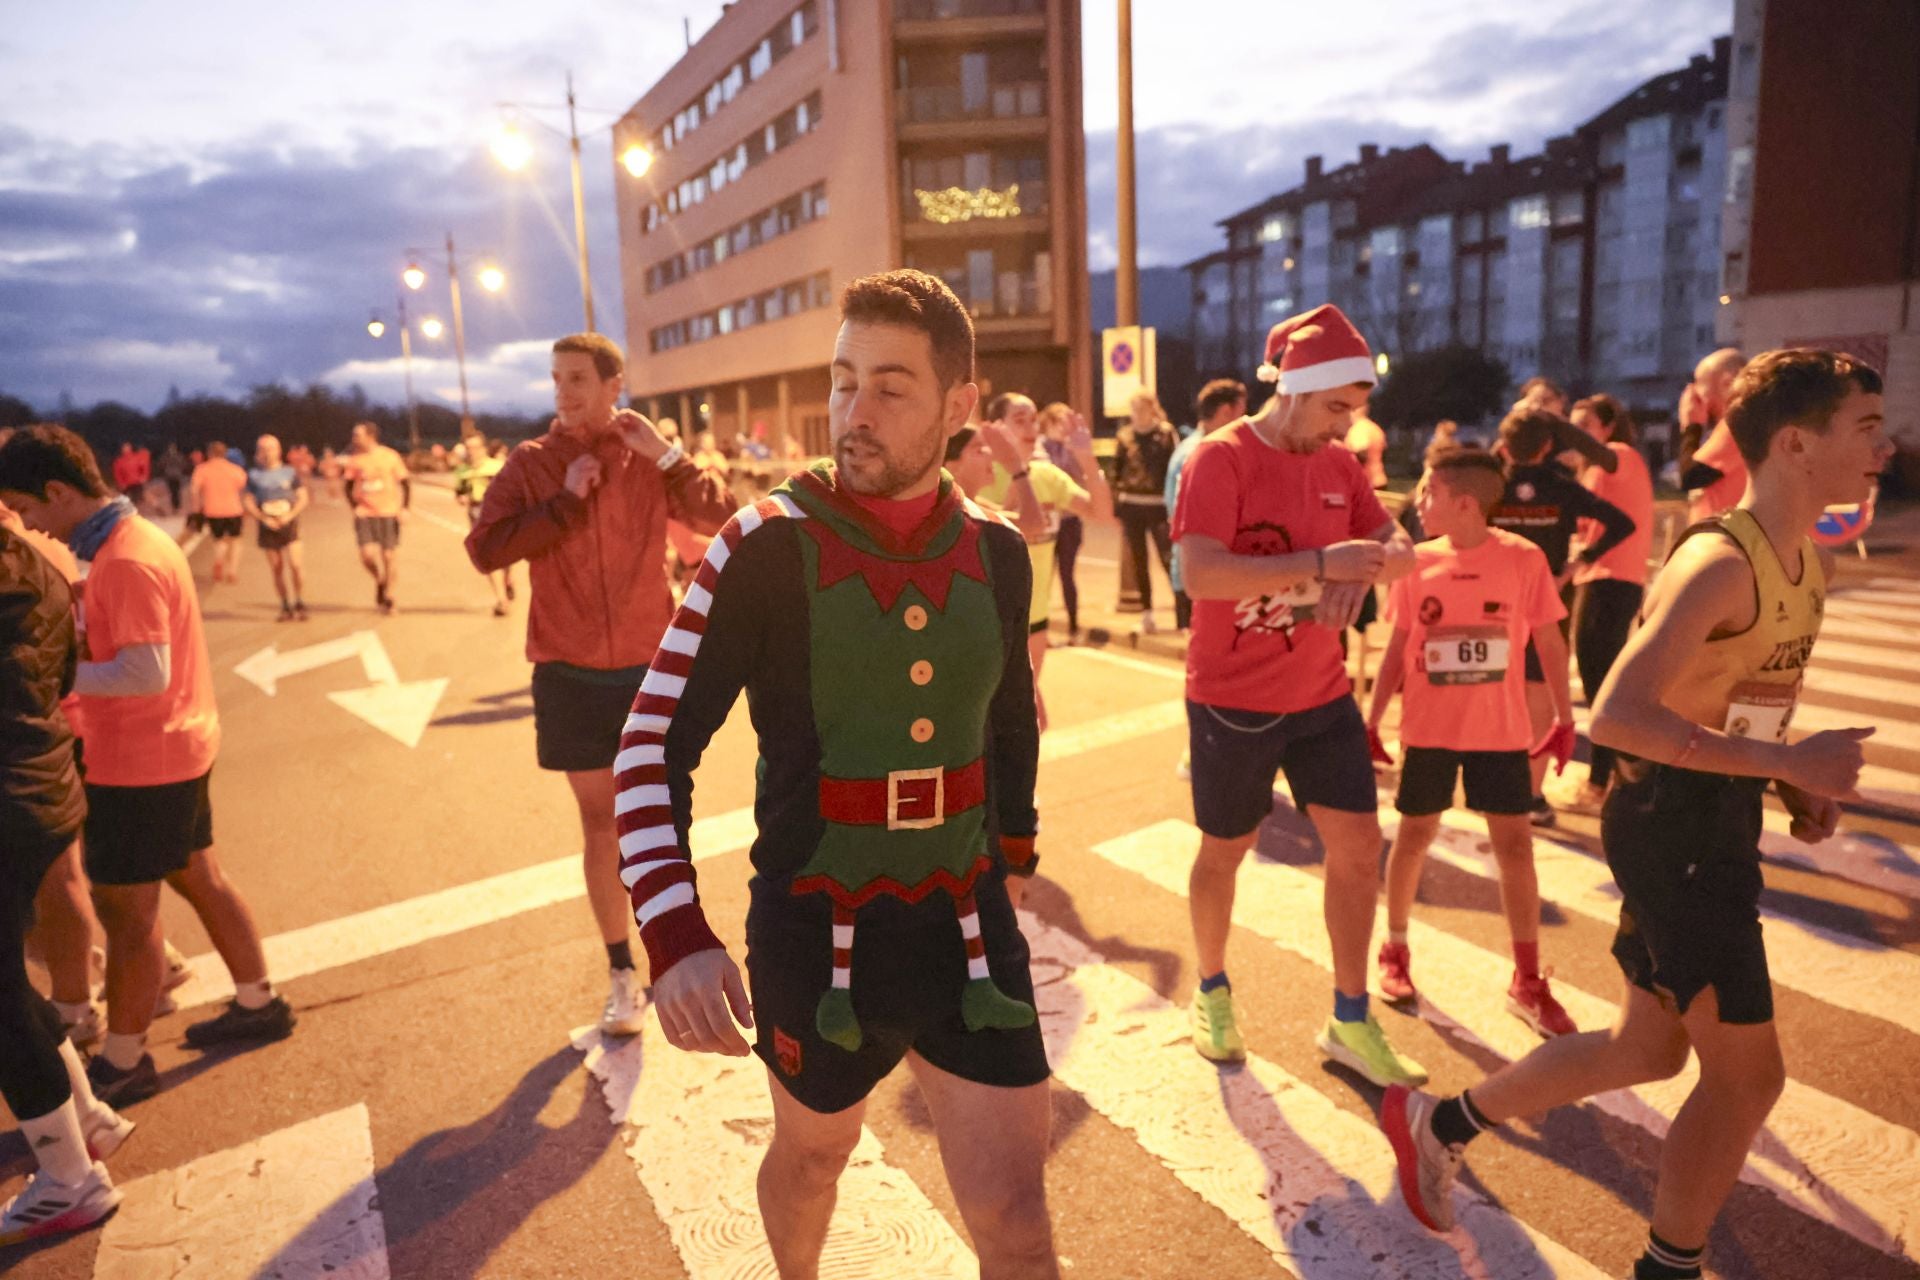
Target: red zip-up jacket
[(597, 564)]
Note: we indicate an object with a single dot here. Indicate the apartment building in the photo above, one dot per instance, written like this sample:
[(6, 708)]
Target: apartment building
[(1595, 261), (800, 145)]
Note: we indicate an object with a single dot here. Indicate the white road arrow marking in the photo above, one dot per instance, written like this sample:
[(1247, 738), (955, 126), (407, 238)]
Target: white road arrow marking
[(401, 711)]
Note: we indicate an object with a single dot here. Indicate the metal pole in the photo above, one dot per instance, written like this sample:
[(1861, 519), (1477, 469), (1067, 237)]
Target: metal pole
[(1127, 275), (459, 331), (579, 208), (406, 367)]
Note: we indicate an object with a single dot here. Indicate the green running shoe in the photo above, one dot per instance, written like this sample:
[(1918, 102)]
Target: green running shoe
[(1215, 1032), (1363, 1047)]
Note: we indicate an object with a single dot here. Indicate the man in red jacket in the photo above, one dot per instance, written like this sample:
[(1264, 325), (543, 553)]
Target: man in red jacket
[(586, 505)]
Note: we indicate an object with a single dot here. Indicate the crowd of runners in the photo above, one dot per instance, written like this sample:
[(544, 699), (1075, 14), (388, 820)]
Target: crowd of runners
[(885, 611)]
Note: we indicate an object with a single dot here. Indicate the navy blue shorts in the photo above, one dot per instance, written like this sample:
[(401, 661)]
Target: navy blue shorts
[(1236, 755)]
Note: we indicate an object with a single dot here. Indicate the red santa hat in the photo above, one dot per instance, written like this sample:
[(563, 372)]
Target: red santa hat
[(1316, 351)]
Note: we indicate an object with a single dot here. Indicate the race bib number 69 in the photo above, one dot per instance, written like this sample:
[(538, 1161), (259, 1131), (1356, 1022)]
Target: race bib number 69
[(1466, 655)]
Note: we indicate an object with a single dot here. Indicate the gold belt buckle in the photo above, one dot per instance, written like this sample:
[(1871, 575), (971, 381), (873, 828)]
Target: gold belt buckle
[(895, 779)]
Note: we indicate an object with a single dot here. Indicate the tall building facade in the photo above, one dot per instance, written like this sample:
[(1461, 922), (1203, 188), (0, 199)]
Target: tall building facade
[(801, 144), (1595, 262), (1821, 233)]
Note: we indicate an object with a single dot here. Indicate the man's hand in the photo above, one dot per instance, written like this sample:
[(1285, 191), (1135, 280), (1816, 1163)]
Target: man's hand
[(1378, 749), (1004, 445), (1557, 745), (583, 475), (640, 436), (1827, 763), (698, 1001), (1080, 439), (1814, 817), (1356, 560), (1340, 602)]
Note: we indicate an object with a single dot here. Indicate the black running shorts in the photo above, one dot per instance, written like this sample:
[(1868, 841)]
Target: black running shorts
[(1496, 781), (225, 526), (140, 835), (1236, 754), (909, 969), (279, 539), (578, 715), (377, 531), (1684, 849)]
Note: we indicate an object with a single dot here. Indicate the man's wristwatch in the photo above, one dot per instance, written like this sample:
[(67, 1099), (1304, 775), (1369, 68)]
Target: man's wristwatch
[(673, 454)]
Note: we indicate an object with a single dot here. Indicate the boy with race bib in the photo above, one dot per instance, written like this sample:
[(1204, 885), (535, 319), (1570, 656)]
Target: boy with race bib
[(1461, 623)]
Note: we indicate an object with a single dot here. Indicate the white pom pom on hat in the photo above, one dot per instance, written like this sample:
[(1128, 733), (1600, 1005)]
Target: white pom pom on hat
[(1316, 351)]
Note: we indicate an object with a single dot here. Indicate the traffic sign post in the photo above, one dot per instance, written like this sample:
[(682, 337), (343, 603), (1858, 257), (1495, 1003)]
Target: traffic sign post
[(1127, 367)]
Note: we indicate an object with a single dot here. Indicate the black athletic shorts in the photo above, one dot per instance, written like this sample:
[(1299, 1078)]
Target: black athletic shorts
[(279, 539), (1684, 849), (377, 531), (1235, 755), (140, 835), (579, 714), (1496, 781), (225, 526), (909, 969)]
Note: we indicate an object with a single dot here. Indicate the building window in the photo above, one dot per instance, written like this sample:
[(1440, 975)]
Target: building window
[(789, 34), (1528, 213), (781, 132), (809, 294), (789, 215)]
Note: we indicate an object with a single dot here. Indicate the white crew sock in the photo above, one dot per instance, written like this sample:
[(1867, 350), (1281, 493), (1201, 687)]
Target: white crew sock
[(123, 1052), (74, 1011), (1398, 937), (83, 1100), (253, 995), (59, 1145)]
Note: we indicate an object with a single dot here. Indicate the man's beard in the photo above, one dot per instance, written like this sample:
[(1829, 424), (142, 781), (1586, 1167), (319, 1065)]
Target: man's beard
[(897, 472)]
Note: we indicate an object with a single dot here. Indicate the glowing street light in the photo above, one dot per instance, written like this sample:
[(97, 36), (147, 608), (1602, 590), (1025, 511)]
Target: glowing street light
[(414, 276), (1381, 364), (492, 278), (512, 148), (376, 326), (432, 328), (637, 159)]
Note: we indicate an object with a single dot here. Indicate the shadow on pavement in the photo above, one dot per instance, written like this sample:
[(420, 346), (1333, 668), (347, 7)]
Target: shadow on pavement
[(500, 707)]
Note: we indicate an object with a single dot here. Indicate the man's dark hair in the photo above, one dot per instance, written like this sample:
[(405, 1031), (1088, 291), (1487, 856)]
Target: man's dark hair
[(1611, 414), (1472, 471), (1547, 385), (1217, 395), (33, 457), (217, 449), (1527, 433), (915, 300), (957, 443), (607, 360), (1799, 387), (372, 428)]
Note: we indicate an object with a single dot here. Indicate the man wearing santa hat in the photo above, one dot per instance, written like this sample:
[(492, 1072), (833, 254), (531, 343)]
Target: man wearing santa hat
[(1281, 539)]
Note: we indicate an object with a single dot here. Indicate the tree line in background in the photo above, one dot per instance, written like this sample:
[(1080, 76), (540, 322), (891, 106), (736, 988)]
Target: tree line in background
[(317, 417)]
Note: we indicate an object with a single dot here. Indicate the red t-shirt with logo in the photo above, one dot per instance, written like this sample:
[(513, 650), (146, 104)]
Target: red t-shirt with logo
[(1265, 653), (1468, 615)]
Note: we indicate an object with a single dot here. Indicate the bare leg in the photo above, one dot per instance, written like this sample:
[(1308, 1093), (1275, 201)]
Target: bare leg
[(1210, 889), (1741, 1076), (593, 792), (1647, 1043), (370, 561), (1352, 842), (388, 557), (1410, 845), (66, 928), (225, 915), (296, 567), (1540, 717), (277, 562), (136, 963), (993, 1145), (800, 1177), (1519, 887)]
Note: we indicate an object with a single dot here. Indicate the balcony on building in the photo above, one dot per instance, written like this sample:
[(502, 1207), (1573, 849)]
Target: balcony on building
[(1008, 287), (971, 21), (965, 195), (975, 95)]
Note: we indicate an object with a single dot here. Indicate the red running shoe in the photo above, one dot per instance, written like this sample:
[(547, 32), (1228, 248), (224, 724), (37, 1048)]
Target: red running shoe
[(1396, 979), (1529, 1000)]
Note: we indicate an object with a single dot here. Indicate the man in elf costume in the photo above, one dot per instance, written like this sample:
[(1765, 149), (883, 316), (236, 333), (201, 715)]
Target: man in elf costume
[(877, 620)]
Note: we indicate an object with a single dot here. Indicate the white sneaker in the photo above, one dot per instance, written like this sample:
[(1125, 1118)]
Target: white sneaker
[(1149, 625), (85, 1029), (106, 1131), (49, 1208), (625, 1010), (178, 970)]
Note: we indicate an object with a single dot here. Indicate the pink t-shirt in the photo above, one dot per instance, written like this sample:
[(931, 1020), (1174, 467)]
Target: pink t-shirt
[(1719, 452), (1467, 616), (1629, 488), (1265, 653)]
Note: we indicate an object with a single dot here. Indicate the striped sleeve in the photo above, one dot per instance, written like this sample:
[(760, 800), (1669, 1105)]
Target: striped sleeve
[(691, 685)]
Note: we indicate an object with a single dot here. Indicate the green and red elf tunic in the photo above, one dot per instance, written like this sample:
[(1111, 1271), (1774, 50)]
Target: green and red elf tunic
[(890, 690)]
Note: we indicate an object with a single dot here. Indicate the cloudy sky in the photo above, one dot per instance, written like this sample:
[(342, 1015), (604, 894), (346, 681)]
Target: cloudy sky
[(216, 203)]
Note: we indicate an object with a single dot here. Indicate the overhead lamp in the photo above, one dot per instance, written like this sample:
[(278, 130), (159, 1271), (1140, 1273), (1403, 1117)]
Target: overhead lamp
[(431, 327), (413, 275)]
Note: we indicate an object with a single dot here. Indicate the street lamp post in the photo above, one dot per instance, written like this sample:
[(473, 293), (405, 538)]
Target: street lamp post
[(377, 327), (491, 278), (579, 206)]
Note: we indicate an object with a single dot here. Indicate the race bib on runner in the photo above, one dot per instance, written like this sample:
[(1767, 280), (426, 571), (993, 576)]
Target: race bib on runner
[(1762, 711), (276, 507), (1466, 655)]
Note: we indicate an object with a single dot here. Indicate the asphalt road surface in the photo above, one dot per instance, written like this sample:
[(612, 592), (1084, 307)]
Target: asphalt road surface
[(444, 1109)]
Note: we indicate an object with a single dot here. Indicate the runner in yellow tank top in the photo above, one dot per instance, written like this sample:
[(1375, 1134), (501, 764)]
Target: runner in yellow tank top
[(1698, 706)]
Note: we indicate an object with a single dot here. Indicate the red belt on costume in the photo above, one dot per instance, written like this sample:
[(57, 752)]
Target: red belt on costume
[(906, 799)]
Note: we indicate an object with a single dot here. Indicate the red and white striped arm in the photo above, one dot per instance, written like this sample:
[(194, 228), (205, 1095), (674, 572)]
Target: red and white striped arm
[(656, 865)]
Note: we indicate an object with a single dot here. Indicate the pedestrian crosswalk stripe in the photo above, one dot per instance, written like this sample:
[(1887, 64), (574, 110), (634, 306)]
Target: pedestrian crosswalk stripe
[(396, 926), (1877, 595), (1826, 650), (696, 1125), (1846, 684), (298, 1202), (1310, 1182), (1828, 1158), (1843, 608), (1901, 735), (1870, 630)]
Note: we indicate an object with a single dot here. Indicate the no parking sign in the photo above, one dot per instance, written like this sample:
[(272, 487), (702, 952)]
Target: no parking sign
[(1842, 525), (1126, 367)]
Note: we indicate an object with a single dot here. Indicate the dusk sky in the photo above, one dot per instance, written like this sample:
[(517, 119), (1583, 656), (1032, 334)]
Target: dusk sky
[(213, 196)]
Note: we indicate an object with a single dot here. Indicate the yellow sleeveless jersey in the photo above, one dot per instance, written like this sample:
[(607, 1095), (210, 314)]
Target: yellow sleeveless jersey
[(1747, 684)]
